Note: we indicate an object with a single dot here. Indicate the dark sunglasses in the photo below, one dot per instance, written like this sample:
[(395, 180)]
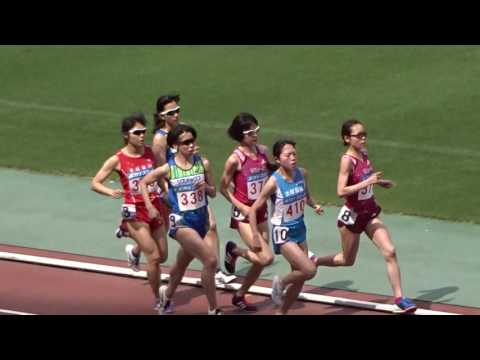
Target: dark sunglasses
[(138, 132), (360, 135), (187, 142)]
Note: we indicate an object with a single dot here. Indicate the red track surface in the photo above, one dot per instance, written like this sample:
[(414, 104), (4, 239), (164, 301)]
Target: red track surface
[(47, 290)]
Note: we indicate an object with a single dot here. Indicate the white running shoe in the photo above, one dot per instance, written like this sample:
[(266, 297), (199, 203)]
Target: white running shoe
[(312, 257), (277, 291), (166, 305), (133, 261), (222, 278), (215, 312)]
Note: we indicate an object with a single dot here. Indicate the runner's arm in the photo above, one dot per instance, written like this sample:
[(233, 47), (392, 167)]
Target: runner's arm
[(309, 199), (225, 184), (209, 179), (344, 172), (107, 168)]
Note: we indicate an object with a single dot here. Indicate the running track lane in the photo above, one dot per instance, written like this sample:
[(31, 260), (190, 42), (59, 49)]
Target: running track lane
[(47, 290)]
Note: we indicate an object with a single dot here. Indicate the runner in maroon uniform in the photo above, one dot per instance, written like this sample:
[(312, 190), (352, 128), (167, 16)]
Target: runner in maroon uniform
[(247, 168), (132, 163), (360, 213)]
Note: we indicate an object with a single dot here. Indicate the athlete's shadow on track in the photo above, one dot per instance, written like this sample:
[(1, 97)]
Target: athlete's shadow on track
[(332, 286), (438, 294)]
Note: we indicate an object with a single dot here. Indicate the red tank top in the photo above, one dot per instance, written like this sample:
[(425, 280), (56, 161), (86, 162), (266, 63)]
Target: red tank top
[(132, 170), (362, 201), (250, 177)]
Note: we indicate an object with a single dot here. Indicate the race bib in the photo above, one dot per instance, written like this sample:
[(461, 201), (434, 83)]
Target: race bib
[(191, 200), (294, 210), (174, 221), (280, 234), (347, 216), (129, 211), (237, 214), (365, 193), (254, 188), (135, 189)]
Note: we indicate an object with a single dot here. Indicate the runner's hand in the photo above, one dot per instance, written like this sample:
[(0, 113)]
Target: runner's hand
[(318, 209), (117, 193), (375, 178), (153, 213), (256, 245), (387, 184)]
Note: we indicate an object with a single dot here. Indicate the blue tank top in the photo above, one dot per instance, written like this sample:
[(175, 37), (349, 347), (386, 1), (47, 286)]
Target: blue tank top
[(289, 200), (183, 196)]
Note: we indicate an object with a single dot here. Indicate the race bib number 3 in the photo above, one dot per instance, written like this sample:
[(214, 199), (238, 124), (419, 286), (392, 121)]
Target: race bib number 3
[(280, 235), (191, 200), (129, 211), (347, 216), (135, 189)]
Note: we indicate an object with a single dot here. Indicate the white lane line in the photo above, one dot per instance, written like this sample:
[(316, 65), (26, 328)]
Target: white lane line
[(12, 312), (302, 134), (116, 270)]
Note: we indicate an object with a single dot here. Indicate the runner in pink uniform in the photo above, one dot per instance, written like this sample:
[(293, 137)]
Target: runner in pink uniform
[(247, 169), (360, 213)]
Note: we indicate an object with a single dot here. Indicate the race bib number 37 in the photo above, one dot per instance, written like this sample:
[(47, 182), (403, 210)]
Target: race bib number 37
[(254, 188)]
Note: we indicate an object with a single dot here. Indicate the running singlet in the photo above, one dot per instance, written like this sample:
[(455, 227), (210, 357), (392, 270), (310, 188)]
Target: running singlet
[(170, 151), (251, 177), (132, 170), (289, 200), (183, 195), (362, 201)]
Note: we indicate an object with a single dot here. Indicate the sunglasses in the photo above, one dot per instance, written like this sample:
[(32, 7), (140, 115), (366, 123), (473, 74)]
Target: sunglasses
[(187, 142), (251, 132), (138, 131), (171, 112), (360, 135)]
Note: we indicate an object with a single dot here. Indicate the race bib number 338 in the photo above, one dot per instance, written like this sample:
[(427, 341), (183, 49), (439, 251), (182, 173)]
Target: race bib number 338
[(191, 200)]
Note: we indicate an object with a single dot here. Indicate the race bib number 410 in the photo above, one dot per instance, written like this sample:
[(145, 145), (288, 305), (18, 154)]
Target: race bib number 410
[(347, 216)]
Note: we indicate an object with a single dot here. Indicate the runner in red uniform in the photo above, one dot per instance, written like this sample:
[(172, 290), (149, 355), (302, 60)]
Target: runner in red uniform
[(360, 213), (132, 163), (247, 170)]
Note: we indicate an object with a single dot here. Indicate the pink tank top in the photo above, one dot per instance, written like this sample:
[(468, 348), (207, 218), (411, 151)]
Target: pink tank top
[(250, 178), (362, 201), (132, 170)]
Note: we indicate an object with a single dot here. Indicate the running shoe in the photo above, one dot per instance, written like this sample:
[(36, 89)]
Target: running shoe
[(166, 304), (133, 261), (216, 312), (277, 291), (405, 305), (120, 232), (312, 257), (230, 257), (222, 278), (243, 304)]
